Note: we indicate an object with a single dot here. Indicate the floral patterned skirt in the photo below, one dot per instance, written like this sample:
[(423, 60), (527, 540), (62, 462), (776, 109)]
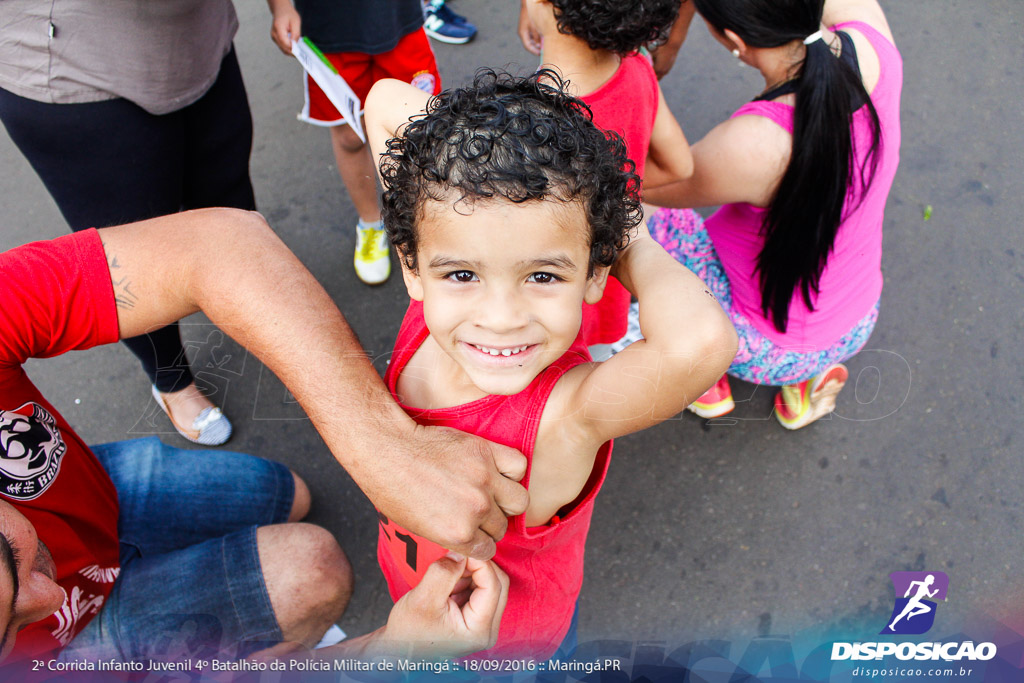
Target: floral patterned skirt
[(759, 360)]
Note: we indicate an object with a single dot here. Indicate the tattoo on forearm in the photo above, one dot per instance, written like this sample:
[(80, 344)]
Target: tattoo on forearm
[(123, 295)]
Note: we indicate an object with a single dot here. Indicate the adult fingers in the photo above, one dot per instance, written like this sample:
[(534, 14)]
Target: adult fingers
[(502, 601), (487, 602), (508, 461), (439, 581), (483, 547), (509, 495)]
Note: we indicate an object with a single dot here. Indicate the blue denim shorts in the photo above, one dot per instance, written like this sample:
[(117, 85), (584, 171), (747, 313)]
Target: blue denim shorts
[(191, 584)]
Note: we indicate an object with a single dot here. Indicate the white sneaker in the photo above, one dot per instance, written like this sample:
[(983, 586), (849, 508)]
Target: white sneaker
[(372, 259)]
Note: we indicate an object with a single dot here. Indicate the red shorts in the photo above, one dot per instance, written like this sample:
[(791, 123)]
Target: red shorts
[(412, 61)]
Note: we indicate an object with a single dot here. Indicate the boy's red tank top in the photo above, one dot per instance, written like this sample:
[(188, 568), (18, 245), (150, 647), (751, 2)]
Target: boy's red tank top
[(544, 564)]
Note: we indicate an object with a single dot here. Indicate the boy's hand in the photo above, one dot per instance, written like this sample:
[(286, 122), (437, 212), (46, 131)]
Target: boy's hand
[(527, 33), (287, 25)]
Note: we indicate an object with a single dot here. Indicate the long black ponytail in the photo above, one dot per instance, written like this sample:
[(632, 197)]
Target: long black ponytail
[(801, 222)]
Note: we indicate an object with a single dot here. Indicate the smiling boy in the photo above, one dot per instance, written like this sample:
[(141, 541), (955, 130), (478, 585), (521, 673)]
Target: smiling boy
[(509, 209)]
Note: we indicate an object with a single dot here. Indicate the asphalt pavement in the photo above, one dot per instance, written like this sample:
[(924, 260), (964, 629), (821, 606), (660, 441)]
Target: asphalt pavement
[(731, 529)]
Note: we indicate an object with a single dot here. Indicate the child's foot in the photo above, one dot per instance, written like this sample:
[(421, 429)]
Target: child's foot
[(441, 23), (372, 259), (194, 416), (798, 405), (716, 401)]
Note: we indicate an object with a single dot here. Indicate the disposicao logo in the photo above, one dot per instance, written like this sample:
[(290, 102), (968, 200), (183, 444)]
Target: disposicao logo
[(914, 613)]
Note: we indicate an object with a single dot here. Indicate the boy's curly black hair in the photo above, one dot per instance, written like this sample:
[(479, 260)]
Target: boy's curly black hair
[(518, 139), (614, 25)]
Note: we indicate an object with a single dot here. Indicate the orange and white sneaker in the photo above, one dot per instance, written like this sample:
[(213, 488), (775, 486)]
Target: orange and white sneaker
[(798, 405), (716, 401)]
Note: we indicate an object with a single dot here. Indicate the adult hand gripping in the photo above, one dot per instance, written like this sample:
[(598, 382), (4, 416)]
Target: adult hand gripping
[(451, 487)]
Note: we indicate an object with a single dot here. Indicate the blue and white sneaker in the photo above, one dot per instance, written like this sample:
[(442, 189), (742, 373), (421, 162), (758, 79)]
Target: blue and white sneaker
[(441, 23)]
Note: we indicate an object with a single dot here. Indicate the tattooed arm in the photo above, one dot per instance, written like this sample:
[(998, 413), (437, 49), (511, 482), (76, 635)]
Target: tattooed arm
[(445, 485)]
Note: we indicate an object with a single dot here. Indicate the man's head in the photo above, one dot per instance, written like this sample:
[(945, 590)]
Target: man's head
[(507, 205), (610, 25), (28, 589)]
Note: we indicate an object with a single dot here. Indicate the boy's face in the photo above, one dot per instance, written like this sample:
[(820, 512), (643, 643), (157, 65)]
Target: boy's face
[(502, 285)]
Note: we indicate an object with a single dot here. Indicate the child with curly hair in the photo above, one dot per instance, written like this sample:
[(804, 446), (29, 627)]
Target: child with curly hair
[(509, 208), (595, 45)]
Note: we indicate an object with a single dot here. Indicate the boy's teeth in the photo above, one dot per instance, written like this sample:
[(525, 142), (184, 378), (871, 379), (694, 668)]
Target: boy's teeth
[(501, 352)]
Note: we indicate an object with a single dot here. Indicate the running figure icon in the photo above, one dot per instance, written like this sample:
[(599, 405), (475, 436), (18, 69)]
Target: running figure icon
[(914, 606)]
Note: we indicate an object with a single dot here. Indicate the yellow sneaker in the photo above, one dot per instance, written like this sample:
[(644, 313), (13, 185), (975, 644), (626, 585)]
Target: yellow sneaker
[(798, 405), (372, 259)]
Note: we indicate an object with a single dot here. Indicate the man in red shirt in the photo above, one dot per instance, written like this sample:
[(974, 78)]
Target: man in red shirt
[(103, 549)]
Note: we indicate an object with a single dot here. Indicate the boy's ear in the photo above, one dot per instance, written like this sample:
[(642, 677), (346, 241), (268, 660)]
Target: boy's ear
[(413, 284), (595, 285)]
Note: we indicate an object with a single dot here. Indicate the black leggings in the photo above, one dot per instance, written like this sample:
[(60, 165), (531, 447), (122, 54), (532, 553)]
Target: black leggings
[(109, 163)]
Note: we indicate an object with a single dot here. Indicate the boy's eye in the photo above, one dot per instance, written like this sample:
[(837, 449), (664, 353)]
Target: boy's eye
[(543, 278), (462, 276)]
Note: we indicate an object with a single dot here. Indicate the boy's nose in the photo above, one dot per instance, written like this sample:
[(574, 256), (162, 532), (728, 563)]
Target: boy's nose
[(502, 311)]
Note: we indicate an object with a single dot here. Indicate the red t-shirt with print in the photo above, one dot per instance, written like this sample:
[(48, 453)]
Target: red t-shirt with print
[(56, 296)]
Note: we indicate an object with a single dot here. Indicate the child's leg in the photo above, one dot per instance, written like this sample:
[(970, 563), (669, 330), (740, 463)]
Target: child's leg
[(372, 260), (355, 166)]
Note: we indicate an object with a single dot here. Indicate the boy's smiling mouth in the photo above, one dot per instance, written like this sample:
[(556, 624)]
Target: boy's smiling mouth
[(501, 355), (507, 351)]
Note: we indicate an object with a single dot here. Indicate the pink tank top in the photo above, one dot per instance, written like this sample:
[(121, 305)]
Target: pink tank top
[(851, 282), (544, 564)]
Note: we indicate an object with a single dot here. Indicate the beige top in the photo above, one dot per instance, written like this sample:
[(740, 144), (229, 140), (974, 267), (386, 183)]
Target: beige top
[(160, 54)]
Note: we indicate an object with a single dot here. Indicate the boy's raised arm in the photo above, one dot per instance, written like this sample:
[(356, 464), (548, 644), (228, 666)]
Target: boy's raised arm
[(388, 106), (688, 343)]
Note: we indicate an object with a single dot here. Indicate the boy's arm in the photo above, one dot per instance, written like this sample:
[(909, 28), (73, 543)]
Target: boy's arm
[(668, 156), (388, 106), (688, 343), (229, 264), (286, 26)]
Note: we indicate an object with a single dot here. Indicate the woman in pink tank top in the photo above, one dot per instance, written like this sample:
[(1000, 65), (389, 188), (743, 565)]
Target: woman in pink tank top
[(802, 174)]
